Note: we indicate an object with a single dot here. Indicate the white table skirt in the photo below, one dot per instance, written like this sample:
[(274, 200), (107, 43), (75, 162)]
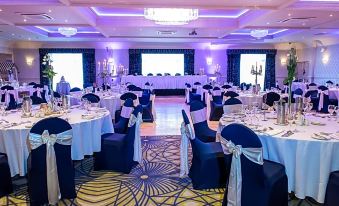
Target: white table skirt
[(333, 93), (249, 99), (165, 82), (112, 102), (86, 138), (308, 161)]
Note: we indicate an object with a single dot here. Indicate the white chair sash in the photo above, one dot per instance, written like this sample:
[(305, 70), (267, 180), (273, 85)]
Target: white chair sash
[(126, 112), (137, 156), (39, 92), (235, 178), (228, 109), (153, 106), (186, 134), (312, 88), (297, 95), (138, 93), (36, 140), (198, 116), (7, 94), (187, 91), (225, 98), (321, 94)]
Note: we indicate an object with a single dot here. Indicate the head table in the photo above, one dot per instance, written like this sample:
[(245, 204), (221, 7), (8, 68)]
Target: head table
[(307, 156), (87, 129)]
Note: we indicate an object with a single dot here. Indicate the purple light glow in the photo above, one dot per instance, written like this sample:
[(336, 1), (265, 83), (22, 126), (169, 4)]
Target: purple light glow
[(56, 31), (269, 34), (140, 13)]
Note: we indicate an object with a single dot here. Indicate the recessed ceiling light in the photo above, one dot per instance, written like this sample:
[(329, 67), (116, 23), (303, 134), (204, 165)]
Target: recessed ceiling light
[(268, 23), (13, 34), (331, 15), (49, 10), (289, 14), (0, 9), (303, 24), (25, 20), (29, 39), (66, 20)]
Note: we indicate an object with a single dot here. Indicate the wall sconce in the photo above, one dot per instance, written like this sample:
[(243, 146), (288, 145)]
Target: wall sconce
[(283, 60), (209, 61), (325, 58), (29, 61)]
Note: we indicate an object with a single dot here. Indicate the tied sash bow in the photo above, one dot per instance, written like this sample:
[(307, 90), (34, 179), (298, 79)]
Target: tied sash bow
[(198, 116), (216, 92), (39, 92), (321, 98), (36, 140), (186, 134), (235, 181), (137, 156), (7, 94)]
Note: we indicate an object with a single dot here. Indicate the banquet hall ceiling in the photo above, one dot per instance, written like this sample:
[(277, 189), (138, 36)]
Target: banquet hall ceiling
[(220, 21)]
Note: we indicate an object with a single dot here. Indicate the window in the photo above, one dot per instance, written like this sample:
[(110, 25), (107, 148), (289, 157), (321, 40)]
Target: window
[(246, 63)]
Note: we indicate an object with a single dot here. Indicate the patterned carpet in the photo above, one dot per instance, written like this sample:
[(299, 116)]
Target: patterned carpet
[(155, 182)]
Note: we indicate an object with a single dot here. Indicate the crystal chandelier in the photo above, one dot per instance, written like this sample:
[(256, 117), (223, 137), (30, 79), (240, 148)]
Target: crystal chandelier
[(259, 33), (171, 16), (67, 31)]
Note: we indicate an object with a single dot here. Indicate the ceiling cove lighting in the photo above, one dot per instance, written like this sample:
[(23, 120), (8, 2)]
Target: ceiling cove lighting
[(67, 31), (259, 33), (171, 16)]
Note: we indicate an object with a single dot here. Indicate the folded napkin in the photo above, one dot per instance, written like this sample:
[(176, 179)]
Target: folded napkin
[(88, 116), (334, 136), (275, 132)]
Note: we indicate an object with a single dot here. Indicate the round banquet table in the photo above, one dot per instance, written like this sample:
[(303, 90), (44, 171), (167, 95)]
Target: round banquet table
[(308, 161), (86, 139), (110, 101), (249, 99)]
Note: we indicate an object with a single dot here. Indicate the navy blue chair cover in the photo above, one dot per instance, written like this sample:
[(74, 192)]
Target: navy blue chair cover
[(56, 95), (313, 95), (270, 98), (117, 150), (326, 100), (37, 176), (329, 82), (35, 94), (244, 86), (207, 87), (122, 122), (177, 74), (149, 74), (93, 98), (75, 89), (261, 184), (5, 176), (216, 106), (12, 103), (159, 74), (231, 94), (146, 103), (332, 197), (226, 86), (232, 101), (128, 95), (131, 87), (192, 95), (37, 100), (201, 129), (32, 83), (209, 164)]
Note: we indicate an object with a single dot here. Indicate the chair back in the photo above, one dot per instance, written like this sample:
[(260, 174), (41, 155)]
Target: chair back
[(232, 105), (128, 95), (131, 87), (177, 74), (312, 86), (56, 95), (75, 89), (226, 86), (159, 74), (149, 74), (7, 96), (93, 98), (37, 100), (216, 95), (270, 98), (199, 116), (207, 87), (323, 99), (41, 158), (252, 173), (231, 94), (32, 83), (131, 131)]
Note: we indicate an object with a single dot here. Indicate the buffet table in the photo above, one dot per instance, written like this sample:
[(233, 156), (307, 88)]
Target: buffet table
[(165, 82), (87, 131), (308, 157)]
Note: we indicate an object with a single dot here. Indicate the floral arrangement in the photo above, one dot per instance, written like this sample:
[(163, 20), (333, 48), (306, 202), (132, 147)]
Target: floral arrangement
[(48, 72), (291, 70)]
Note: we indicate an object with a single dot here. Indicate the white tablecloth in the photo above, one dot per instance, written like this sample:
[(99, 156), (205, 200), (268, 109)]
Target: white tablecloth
[(111, 101), (27, 89), (249, 99), (165, 82), (86, 138), (308, 161), (333, 93), (297, 85)]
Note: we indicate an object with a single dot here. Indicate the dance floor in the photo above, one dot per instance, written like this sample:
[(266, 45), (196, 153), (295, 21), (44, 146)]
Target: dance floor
[(155, 182)]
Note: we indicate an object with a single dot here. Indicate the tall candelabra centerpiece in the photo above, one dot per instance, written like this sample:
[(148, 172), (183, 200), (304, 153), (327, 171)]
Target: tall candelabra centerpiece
[(256, 72), (106, 71), (49, 73), (218, 72)]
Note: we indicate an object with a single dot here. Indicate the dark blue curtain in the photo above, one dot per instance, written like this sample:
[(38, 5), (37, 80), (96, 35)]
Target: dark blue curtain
[(135, 60), (88, 62), (233, 65)]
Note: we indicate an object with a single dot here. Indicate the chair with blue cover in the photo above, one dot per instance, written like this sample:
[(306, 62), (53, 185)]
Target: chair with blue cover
[(41, 164), (332, 197), (295, 94), (159, 74), (209, 164), (123, 98), (131, 87), (75, 89), (195, 85), (147, 88), (56, 95), (216, 105), (329, 83), (190, 95), (147, 104), (262, 182), (323, 99), (8, 97), (231, 94), (149, 74), (40, 93), (244, 86), (6, 187), (201, 129), (93, 98), (121, 124), (177, 74), (206, 90), (312, 86), (270, 97), (117, 150), (32, 83), (232, 105)]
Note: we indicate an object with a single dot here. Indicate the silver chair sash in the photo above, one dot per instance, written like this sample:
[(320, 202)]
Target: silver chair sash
[(187, 91), (216, 92), (7, 94), (126, 111), (186, 134), (235, 179), (198, 116), (39, 92), (321, 94), (133, 120), (36, 140)]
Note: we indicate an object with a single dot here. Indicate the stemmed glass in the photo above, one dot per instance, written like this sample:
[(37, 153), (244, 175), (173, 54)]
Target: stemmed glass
[(3, 108), (331, 109)]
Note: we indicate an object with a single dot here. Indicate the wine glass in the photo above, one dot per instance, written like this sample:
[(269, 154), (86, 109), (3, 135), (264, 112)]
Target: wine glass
[(2, 108), (331, 110)]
